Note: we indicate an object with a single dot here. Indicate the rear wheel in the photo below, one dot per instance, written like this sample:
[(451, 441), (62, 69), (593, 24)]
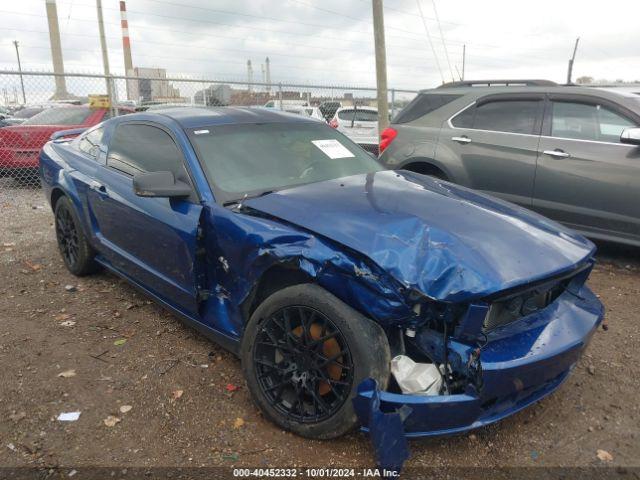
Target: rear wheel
[(76, 252), (304, 352)]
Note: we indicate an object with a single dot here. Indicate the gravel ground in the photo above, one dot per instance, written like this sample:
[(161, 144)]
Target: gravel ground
[(175, 399)]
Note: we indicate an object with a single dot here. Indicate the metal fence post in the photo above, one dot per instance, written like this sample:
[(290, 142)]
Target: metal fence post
[(280, 94), (393, 102)]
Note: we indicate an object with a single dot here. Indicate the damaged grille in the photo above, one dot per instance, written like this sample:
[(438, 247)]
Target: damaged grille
[(509, 309)]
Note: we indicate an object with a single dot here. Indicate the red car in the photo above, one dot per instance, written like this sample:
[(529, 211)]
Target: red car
[(21, 144)]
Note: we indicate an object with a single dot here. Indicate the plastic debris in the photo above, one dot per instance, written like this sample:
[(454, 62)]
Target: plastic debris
[(16, 417), (67, 374), (111, 421), (231, 387), (604, 456), (70, 288), (69, 416), (67, 323), (176, 394), (125, 408), (120, 341), (239, 422), (416, 378)]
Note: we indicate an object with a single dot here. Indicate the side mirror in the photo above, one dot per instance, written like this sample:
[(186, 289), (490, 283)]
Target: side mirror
[(630, 136), (159, 184)]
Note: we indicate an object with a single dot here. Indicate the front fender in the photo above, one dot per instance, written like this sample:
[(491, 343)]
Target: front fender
[(241, 247)]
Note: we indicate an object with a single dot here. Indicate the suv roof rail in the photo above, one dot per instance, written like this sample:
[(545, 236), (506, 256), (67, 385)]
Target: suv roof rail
[(499, 83)]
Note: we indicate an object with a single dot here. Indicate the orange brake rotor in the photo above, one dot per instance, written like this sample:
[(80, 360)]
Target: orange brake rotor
[(330, 348)]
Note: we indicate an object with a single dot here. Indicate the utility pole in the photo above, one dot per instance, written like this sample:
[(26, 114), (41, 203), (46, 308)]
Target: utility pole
[(56, 51), (381, 65), (105, 55), (24, 97), (464, 59), (571, 60)]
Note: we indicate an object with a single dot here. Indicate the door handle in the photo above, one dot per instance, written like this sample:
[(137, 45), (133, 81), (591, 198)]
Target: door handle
[(463, 139), (557, 153), (98, 187)]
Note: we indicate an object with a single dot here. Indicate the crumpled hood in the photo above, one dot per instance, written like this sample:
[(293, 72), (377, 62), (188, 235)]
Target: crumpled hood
[(446, 241)]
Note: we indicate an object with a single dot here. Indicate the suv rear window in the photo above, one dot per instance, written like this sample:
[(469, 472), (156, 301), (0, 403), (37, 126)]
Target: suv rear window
[(360, 115), (421, 105)]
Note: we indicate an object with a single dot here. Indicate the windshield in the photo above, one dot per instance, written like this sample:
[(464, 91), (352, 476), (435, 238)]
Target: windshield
[(251, 159), (27, 112), (60, 116)]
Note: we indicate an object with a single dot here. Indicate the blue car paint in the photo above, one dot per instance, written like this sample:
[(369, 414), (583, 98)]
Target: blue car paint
[(374, 241)]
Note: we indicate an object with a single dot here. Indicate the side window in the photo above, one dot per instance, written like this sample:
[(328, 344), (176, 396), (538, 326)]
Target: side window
[(584, 121), (421, 105), (90, 143), (513, 116), (465, 118), (137, 148)]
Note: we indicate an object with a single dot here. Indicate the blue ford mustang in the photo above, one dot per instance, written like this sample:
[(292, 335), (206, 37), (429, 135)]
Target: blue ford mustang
[(285, 242)]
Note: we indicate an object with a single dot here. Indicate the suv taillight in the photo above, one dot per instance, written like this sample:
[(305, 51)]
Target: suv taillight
[(333, 123), (387, 136)]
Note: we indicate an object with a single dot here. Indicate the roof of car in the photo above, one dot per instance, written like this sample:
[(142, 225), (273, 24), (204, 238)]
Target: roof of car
[(194, 117), (479, 91)]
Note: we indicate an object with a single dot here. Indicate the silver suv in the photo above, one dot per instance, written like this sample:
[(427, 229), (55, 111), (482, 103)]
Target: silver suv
[(571, 153)]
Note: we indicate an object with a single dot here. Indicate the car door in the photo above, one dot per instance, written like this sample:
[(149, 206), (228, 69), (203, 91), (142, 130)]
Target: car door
[(493, 145), (586, 178), (151, 240)]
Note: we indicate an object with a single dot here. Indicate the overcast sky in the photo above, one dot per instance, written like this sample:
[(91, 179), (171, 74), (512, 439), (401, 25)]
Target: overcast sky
[(331, 41)]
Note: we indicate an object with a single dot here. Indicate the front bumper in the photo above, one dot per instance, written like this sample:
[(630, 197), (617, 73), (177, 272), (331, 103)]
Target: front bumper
[(522, 363)]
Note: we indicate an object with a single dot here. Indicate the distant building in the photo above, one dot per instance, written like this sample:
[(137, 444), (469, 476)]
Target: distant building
[(213, 95), (152, 85)]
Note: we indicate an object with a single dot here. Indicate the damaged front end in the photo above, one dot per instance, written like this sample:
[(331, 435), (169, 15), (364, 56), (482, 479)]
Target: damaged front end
[(495, 357)]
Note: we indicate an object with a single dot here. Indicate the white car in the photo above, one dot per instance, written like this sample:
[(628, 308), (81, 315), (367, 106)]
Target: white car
[(360, 124)]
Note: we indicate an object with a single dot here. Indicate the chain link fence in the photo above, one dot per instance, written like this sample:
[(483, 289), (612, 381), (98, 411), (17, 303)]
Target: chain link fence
[(35, 105)]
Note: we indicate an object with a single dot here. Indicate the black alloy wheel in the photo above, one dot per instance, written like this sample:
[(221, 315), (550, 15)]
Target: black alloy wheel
[(303, 364)]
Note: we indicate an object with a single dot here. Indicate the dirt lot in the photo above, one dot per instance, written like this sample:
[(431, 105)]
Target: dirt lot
[(185, 408)]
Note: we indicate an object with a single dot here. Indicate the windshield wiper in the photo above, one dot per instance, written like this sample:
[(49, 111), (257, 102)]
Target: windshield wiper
[(246, 196)]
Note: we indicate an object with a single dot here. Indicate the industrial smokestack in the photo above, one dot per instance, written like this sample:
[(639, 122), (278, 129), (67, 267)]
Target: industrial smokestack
[(268, 69), (56, 51), (249, 76), (126, 46)]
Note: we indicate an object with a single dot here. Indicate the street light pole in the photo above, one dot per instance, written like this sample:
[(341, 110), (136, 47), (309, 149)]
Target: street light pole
[(381, 65), (24, 97)]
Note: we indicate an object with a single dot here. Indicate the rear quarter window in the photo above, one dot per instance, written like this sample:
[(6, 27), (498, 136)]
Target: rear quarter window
[(360, 115), (60, 116), (421, 105)]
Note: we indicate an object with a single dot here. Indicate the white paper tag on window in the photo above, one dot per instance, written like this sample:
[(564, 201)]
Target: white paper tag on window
[(333, 148)]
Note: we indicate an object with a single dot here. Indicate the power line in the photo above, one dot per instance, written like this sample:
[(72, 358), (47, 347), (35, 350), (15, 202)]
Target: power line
[(446, 52), (426, 29), (281, 32)]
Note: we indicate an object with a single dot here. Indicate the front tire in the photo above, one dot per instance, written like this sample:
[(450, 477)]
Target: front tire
[(77, 253), (304, 353)]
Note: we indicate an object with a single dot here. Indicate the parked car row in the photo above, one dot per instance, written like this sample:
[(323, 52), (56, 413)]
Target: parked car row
[(20, 144)]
